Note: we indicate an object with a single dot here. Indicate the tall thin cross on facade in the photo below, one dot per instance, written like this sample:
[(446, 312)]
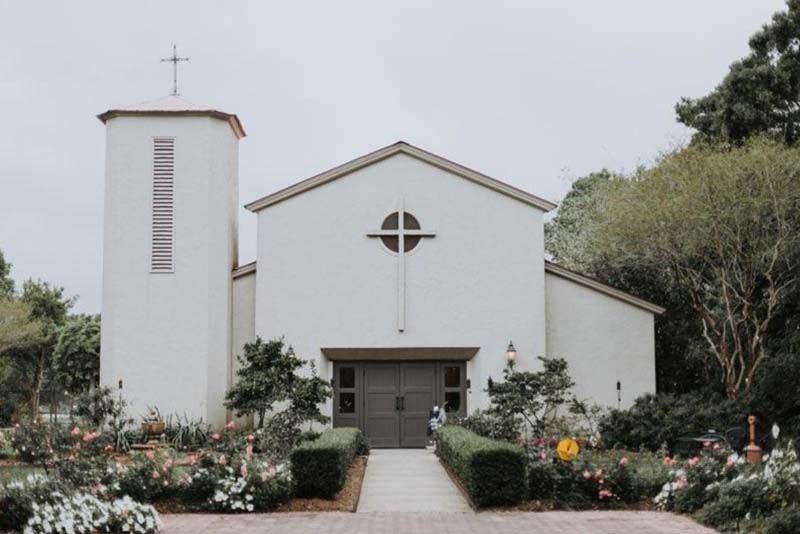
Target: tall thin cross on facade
[(400, 233), (174, 60)]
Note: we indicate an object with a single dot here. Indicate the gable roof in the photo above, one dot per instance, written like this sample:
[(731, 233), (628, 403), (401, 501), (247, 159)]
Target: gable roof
[(400, 147), (174, 105), (591, 283)]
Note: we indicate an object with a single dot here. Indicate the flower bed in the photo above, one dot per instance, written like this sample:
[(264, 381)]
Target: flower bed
[(492, 472)]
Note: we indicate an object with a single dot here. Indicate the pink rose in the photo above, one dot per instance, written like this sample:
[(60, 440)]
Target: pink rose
[(192, 459), (216, 437), (250, 438), (151, 455), (624, 461), (230, 426), (693, 461), (605, 493), (669, 461), (598, 473), (222, 460), (680, 483), (75, 431), (155, 475), (587, 475)]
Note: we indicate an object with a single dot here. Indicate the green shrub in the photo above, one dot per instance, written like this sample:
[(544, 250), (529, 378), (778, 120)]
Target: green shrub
[(554, 481), (148, 478), (197, 486), (319, 467), (736, 500), (34, 443), (597, 476), (786, 521), (491, 426), (18, 497), (492, 472), (657, 419)]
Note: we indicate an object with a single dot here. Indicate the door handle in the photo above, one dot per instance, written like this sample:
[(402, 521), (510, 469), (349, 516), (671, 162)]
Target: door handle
[(397, 403), (402, 404)]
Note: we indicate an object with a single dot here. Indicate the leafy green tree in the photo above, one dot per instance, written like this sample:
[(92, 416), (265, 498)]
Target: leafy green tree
[(532, 396), (761, 92), (570, 238), (268, 376), (725, 225), (33, 362), (76, 356), (6, 282), (17, 328)]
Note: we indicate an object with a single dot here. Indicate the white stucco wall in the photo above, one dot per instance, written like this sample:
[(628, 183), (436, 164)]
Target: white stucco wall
[(603, 339), (480, 282), (244, 312), (244, 325), (167, 336)]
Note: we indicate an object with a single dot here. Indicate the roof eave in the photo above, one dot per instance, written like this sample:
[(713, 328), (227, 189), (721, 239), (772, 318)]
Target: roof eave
[(391, 150), (591, 283), (232, 119)]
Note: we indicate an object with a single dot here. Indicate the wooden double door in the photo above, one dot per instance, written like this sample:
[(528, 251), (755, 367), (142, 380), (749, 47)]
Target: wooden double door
[(391, 401)]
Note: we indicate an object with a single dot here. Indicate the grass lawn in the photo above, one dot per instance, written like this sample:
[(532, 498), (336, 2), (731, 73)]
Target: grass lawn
[(11, 472)]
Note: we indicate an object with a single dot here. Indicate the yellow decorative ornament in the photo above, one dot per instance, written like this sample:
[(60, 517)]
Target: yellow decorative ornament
[(568, 450)]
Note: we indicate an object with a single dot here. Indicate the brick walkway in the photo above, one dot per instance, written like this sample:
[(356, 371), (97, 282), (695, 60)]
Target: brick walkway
[(433, 522)]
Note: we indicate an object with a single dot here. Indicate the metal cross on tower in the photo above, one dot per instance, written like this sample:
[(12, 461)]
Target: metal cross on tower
[(401, 232), (174, 60)]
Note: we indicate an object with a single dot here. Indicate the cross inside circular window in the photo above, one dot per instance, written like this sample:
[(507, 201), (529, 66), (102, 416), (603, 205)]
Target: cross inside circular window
[(392, 241)]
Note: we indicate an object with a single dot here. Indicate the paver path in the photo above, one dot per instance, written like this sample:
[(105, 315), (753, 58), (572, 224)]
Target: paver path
[(408, 480), (433, 522)]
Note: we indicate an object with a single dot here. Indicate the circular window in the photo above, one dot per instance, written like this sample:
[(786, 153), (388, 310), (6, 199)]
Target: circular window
[(392, 242)]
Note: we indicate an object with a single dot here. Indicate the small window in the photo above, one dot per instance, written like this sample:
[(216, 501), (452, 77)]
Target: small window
[(392, 242), (347, 377), (347, 402), (452, 377), (452, 401)]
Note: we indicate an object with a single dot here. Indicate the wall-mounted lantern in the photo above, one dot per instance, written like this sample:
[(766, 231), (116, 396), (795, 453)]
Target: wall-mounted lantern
[(511, 353)]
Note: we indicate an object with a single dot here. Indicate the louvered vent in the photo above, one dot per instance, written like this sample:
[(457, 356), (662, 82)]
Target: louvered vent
[(162, 241)]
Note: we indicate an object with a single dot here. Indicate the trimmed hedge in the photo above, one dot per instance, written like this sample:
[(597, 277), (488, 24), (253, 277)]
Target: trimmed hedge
[(319, 467), (492, 472)]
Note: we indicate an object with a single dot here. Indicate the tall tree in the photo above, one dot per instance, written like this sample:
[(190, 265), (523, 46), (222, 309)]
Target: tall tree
[(761, 92), (6, 283), (17, 328), (76, 356), (726, 225), (49, 307), (570, 239)]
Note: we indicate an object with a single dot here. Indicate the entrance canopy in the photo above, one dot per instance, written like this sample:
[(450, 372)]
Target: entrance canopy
[(401, 353)]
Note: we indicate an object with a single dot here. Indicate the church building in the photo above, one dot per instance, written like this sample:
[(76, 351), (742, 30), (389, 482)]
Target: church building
[(402, 275)]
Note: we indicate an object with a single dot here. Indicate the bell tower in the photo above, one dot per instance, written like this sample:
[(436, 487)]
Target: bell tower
[(169, 246)]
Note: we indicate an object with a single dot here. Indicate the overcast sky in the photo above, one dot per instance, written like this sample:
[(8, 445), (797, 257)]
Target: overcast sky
[(531, 92)]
